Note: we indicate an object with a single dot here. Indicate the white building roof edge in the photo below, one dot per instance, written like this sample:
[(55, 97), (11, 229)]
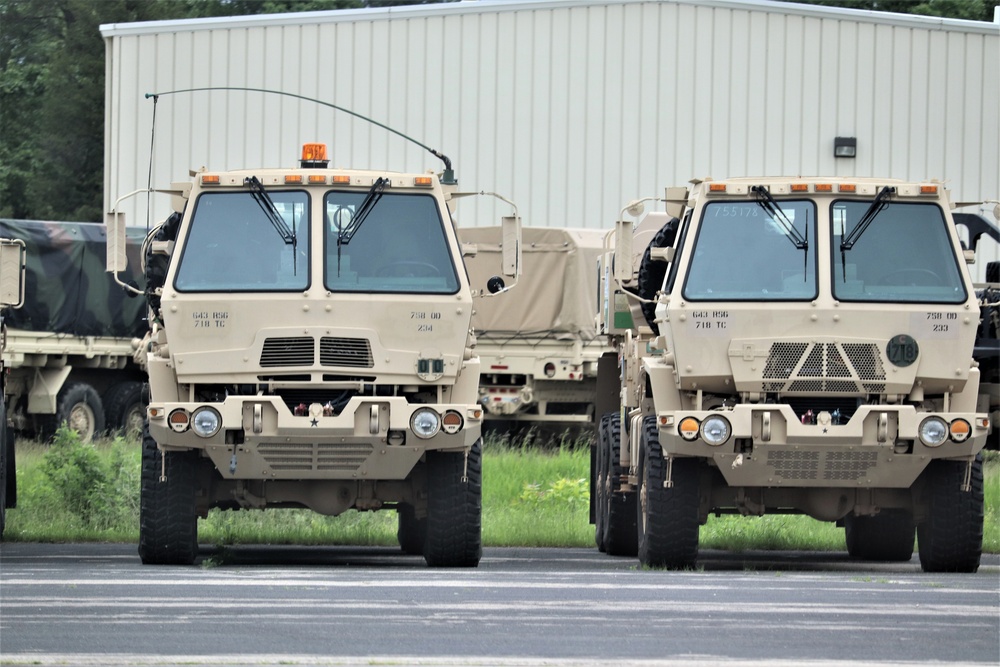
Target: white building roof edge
[(484, 6)]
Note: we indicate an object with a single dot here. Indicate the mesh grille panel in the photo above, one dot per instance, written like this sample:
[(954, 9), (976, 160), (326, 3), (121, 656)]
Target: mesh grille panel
[(783, 359), (308, 457)]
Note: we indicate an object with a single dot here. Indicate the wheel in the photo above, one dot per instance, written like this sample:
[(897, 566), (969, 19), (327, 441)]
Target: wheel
[(620, 538), (600, 480), (454, 508), (652, 273), (168, 519), (887, 536), (917, 277), (409, 270), (667, 517), (8, 473), (411, 532), (80, 408), (124, 409), (950, 539)]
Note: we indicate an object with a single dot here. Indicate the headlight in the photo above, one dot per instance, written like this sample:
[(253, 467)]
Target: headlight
[(206, 422), (425, 423), (715, 430), (933, 431), (688, 428), (179, 420), (960, 430)]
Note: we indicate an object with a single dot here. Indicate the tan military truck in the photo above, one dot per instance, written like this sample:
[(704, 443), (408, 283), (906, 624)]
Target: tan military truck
[(311, 346), (539, 350), (794, 345), (12, 264)]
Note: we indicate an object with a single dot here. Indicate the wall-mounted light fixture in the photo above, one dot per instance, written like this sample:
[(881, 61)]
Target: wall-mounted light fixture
[(845, 147)]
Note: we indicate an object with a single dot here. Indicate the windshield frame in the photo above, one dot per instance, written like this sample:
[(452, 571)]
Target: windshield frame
[(263, 242), (905, 246), (441, 253), (801, 262)]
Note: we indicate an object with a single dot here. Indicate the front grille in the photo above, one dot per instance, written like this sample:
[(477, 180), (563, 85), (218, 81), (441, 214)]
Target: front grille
[(314, 457), (351, 352), (850, 368), (335, 398), (288, 352), (845, 466)]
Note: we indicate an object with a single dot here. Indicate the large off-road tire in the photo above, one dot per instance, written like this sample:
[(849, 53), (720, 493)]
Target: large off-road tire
[(168, 519), (124, 409), (8, 473), (886, 536), (454, 508), (652, 272), (411, 531), (600, 482), (620, 537), (80, 407), (667, 517), (950, 539)]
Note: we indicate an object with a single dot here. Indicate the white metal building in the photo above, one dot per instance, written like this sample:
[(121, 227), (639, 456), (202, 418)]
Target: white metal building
[(568, 107)]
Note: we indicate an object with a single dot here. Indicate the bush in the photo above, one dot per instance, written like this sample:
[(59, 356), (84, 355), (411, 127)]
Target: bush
[(100, 491)]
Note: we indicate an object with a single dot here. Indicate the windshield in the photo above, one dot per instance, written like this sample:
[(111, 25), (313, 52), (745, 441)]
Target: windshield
[(904, 255), (399, 246), (744, 253), (232, 246)]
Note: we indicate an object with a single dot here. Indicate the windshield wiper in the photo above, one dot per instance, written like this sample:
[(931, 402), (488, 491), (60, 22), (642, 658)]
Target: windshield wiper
[(263, 200), (877, 206), (345, 234), (767, 202)]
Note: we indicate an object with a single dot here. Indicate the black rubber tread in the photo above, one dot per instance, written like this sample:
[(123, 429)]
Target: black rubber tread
[(168, 519), (950, 539), (652, 273), (119, 401), (886, 536), (620, 533), (72, 394), (993, 272), (5, 465), (411, 531), (601, 474), (667, 517), (454, 509)]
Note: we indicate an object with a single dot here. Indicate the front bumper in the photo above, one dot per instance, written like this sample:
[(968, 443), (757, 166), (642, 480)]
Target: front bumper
[(769, 446), (260, 438)]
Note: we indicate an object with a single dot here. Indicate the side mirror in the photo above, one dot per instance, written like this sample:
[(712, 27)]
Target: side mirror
[(495, 285), (623, 251), (510, 227), (13, 257), (116, 259)]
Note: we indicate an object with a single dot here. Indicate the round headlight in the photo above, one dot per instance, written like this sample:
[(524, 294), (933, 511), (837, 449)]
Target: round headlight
[(933, 431), (960, 430), (206, 422), (715, 430), (688, 428), (425, 423)]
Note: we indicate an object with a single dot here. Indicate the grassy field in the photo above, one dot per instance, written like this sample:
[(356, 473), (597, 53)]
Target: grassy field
[(531, 497)]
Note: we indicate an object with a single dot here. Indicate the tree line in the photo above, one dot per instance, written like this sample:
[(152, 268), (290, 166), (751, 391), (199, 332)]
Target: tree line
[(52, 86)]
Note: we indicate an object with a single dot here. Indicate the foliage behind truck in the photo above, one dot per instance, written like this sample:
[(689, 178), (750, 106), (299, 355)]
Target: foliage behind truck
[(794, 346), (69, 349), (311, 346), (539, 349)]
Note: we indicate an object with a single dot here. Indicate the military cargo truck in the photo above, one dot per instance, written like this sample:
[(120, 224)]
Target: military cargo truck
[(69, 350), (11, 296), (794, 345), (539, 351), (311, 346)]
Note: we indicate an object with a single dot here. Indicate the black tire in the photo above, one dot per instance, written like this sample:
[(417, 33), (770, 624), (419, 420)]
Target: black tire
[(411, 531), (600, 482), (80, 407), (652, 273), (993, 272), (886, 536), (950, 539), (667, 518), (124, 409), (168, 519), (620, 536), (7, 471), (454, 509)]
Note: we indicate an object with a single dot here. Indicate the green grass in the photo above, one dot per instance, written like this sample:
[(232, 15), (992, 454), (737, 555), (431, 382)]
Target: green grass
[(531, 497)]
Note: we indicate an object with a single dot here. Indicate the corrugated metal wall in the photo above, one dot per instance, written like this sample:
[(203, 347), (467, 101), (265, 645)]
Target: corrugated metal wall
[(568, 108)]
